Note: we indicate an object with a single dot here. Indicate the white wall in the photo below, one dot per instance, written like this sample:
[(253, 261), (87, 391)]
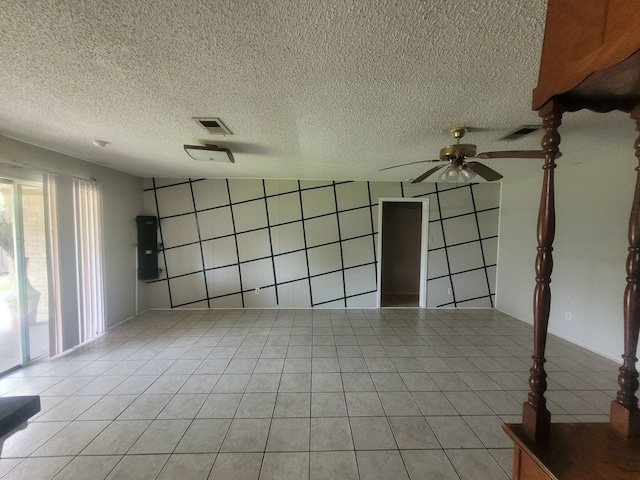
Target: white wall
[(594, 191), (122, 201), (313, 241)]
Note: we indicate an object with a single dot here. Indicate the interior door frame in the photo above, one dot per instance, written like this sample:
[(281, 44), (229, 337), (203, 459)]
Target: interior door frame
[(424, 246)]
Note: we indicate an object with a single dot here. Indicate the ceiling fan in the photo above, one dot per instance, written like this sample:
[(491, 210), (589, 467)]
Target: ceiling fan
[(455, 157)]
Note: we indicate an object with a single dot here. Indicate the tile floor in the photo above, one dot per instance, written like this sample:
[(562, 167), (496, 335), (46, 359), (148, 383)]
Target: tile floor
[(295, 394)]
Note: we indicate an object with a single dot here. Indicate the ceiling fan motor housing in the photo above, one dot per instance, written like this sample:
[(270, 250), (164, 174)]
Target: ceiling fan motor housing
[(458, 152)]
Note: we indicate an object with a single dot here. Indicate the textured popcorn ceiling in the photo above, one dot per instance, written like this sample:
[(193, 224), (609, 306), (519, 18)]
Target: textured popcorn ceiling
[(311, 88)]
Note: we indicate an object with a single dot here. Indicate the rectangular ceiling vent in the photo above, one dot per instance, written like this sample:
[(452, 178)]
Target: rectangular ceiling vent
[(213, 125), (522, 131)]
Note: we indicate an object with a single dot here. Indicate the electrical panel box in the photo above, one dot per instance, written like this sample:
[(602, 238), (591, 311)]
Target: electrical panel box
[(147, 247)]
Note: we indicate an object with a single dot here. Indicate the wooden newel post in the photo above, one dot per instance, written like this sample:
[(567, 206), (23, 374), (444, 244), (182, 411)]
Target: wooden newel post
[(625, 417), (536, 419)]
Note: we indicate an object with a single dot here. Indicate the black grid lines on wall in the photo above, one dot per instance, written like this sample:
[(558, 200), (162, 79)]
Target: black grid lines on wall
[(461, 230), (304, 243), (244, 233)]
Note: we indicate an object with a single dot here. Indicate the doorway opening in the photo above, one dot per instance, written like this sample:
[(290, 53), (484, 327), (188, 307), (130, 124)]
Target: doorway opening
[(402, 244)]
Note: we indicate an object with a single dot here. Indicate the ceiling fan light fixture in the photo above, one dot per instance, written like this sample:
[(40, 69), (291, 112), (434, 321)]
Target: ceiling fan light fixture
[(467, 174), (456, 173), (209, 153), (450, 174)]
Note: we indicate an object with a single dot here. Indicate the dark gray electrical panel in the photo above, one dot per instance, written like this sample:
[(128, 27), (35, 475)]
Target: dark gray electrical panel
[(147, 247)]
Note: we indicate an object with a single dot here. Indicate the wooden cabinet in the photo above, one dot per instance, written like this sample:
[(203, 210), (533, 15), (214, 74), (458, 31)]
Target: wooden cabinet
[(583, 39), (579, 451), (590, 60)]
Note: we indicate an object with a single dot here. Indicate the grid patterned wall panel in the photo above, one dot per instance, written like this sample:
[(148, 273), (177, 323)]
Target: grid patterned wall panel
[(311, 243)]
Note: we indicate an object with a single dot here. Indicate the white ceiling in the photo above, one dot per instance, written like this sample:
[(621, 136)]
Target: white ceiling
[(311, 89)]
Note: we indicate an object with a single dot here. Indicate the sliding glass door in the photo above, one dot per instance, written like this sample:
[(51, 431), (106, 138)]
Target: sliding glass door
[(35, 275), (24, 312), (10, 336)]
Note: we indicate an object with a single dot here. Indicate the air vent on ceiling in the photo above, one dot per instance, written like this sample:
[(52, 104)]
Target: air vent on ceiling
[(213, 125), (522, 131)]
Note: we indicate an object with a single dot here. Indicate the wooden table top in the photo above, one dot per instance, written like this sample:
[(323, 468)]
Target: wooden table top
[(581, 451)]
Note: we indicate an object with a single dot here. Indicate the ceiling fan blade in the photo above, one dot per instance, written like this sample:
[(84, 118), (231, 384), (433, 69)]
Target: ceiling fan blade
[(514, 154), (489, 174), (426, 174), (410, 163)]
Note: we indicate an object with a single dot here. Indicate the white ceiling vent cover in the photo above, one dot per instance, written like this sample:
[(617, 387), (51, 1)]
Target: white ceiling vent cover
[(209, 153), (213, 125)]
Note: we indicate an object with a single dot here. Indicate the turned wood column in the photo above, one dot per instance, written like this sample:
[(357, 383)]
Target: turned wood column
[(625, 417), (536, 419)]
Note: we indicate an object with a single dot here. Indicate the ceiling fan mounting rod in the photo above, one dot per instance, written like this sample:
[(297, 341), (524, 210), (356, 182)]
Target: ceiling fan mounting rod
[(458, 133)]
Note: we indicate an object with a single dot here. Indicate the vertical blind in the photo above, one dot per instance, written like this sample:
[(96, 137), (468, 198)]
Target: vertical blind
[(53, 264), (87, 202), (75, 261)]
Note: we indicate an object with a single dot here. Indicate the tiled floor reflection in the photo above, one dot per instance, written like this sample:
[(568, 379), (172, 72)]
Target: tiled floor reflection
[(295, 394)]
